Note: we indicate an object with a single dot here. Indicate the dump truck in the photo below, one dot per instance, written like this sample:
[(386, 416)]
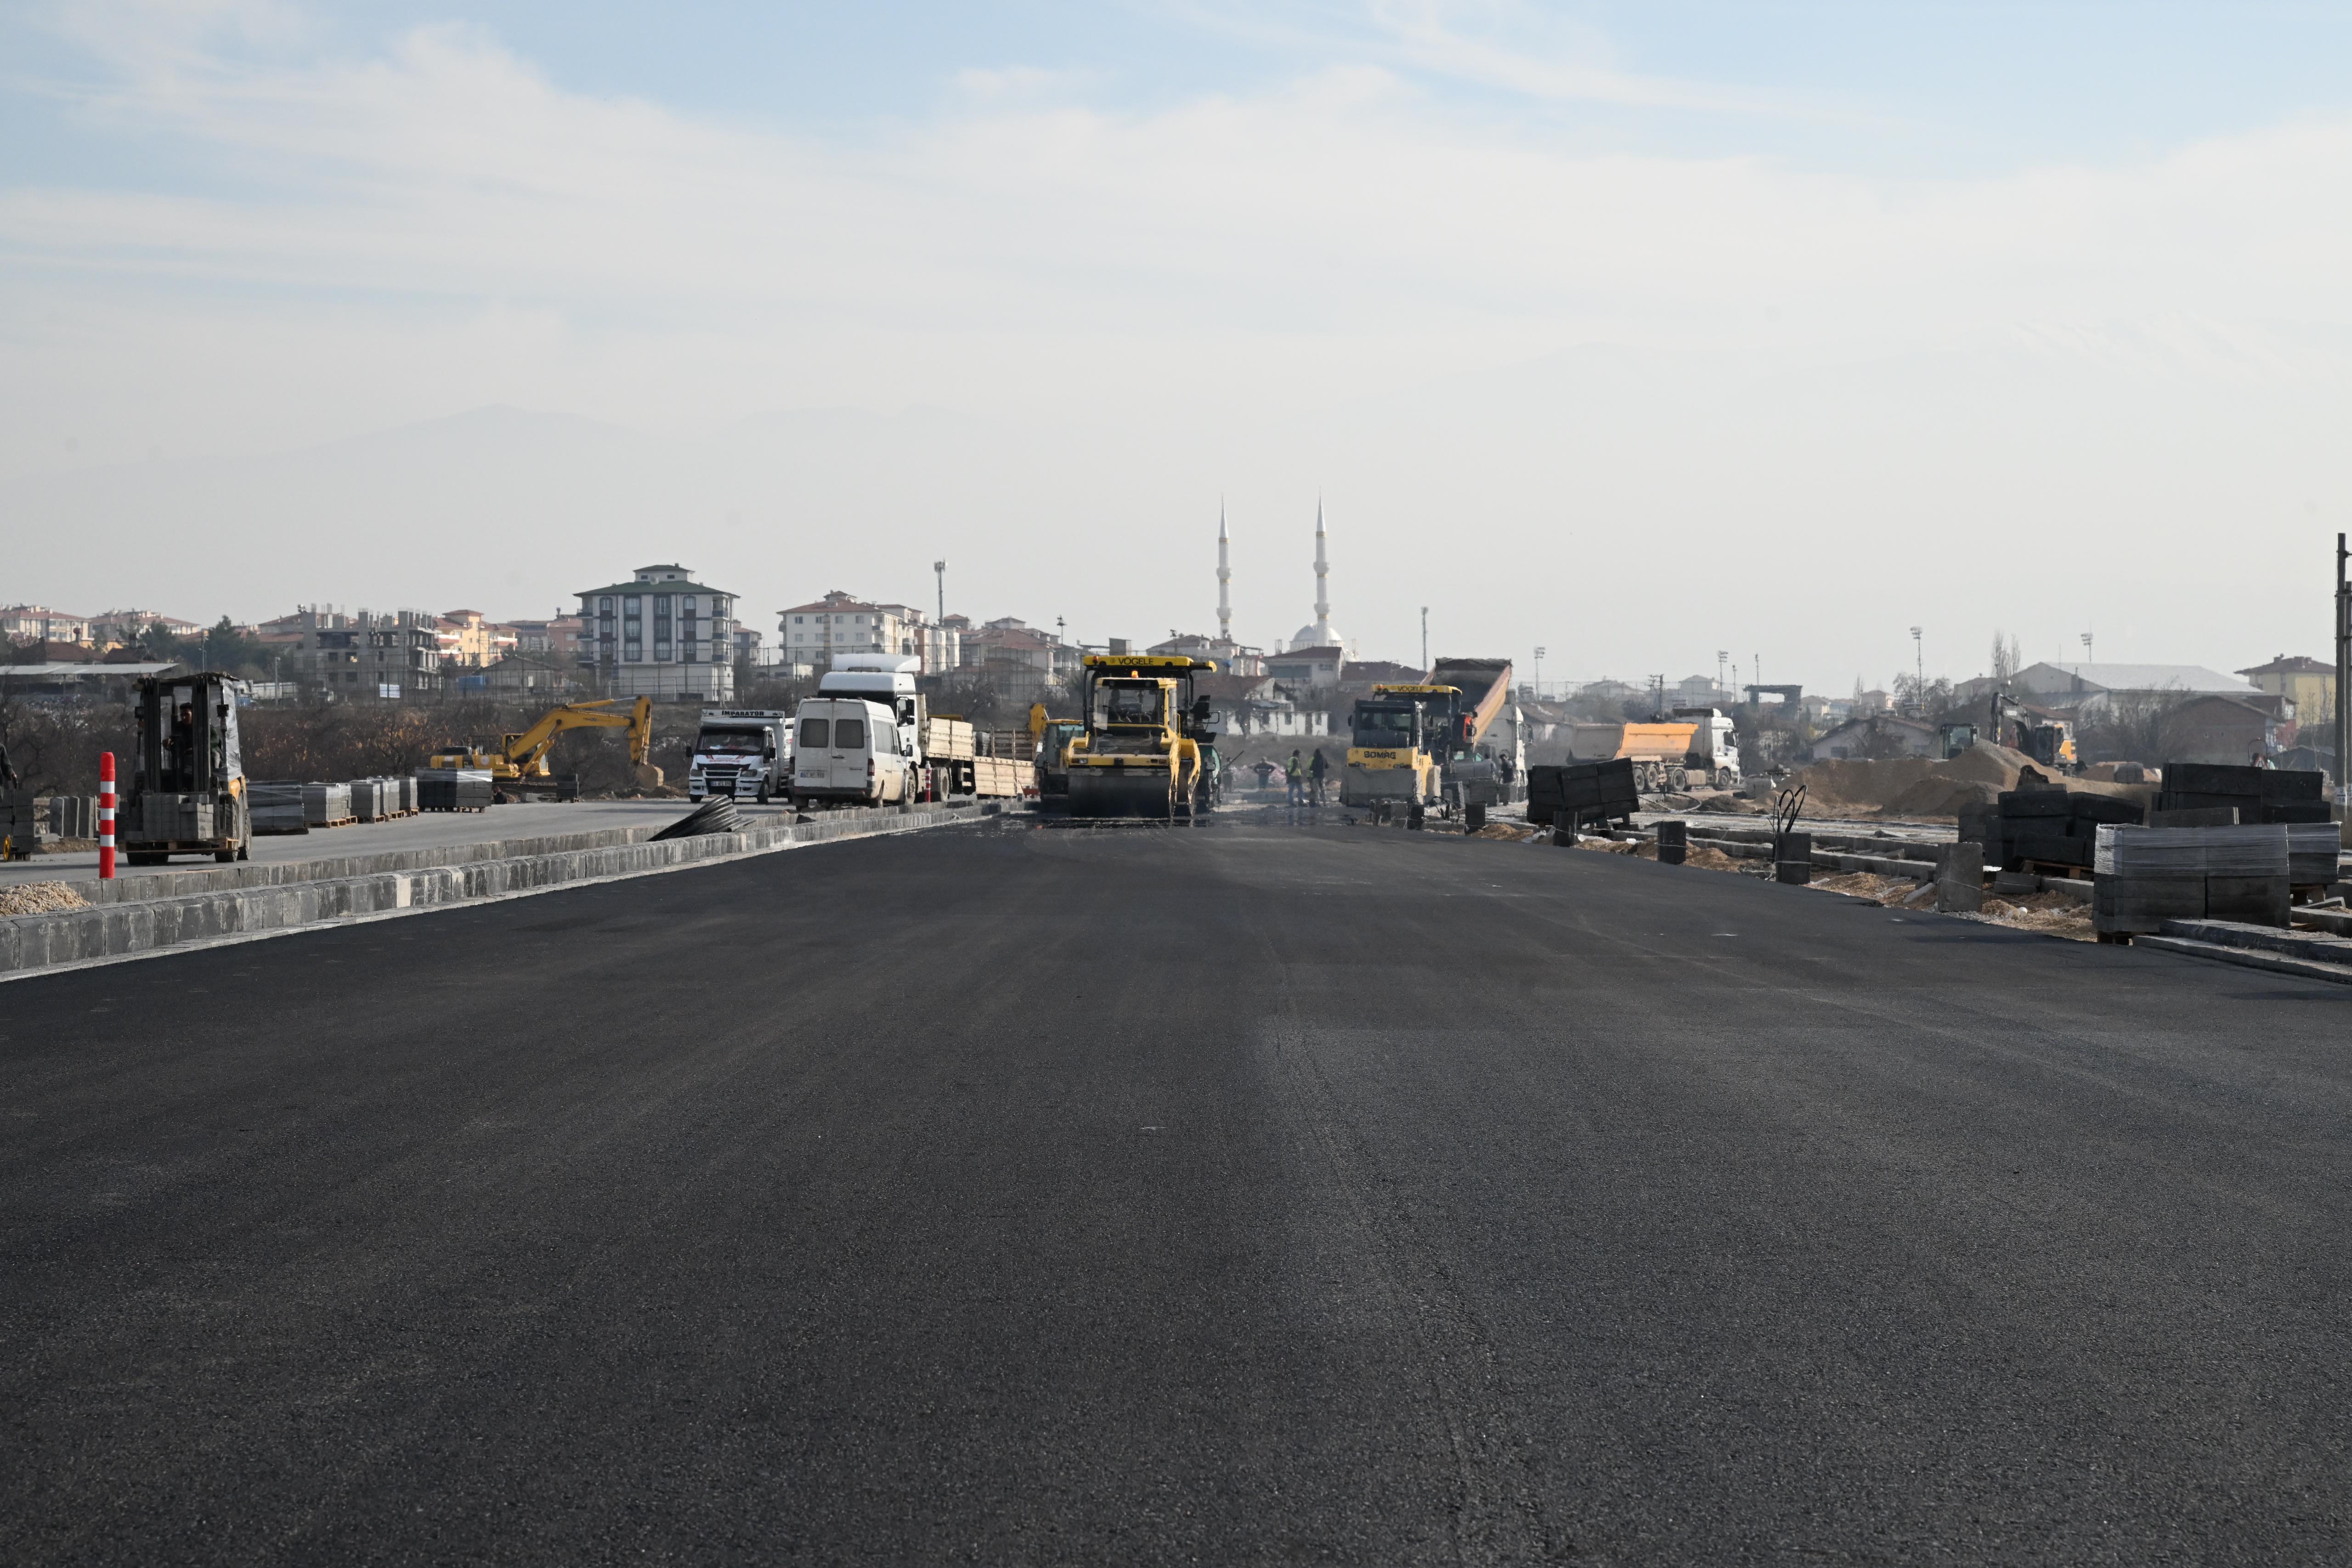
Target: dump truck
[(187, 785), (1472, 778), (1696, 746), (1397, 738), (1147, 750)]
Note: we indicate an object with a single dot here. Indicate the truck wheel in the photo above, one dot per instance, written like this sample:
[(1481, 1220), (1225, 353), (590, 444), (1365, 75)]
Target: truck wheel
[(1679, 778)]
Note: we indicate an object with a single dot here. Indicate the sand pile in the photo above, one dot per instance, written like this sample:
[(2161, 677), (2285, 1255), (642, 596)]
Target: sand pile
[(2050, 914), (1894, 891), (1912, 787), (40, 898)]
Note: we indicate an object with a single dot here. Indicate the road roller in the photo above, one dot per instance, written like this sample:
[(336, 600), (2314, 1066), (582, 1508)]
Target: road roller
[(1148, 750)]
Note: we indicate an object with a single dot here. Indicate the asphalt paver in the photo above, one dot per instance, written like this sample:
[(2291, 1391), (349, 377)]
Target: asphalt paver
[(1253, 1193)]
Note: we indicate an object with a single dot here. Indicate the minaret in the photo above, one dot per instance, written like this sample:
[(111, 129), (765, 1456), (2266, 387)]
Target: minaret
[(1224, 584), (1322, 572)]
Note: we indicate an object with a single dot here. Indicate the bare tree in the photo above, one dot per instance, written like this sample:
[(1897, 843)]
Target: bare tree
[(2006, 658), (2130, 726)]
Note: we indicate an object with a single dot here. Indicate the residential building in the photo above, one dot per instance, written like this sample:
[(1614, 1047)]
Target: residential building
[(355, 655), (38, 622), (543, 674), (558, 637), (120, 626), (2218, 729), (2305, 683), (471, 641), (1248, 707), (1309, 666), (1232, 658), (662, 635), (1876, 735), (1009, 644), (809, 635)]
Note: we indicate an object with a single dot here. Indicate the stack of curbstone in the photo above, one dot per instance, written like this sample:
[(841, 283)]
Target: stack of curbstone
[(2147, 877), (1959, 877), (73, 816)]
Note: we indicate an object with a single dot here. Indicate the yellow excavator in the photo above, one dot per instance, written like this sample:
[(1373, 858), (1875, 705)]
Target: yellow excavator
[(1147, 750), (518, 762)]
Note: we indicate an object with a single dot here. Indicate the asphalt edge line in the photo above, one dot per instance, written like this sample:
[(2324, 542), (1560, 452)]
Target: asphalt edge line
[(337, 922)]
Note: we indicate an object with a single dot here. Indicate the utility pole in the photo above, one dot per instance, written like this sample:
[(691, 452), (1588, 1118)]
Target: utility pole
[(2343, 675), (1424, 638)]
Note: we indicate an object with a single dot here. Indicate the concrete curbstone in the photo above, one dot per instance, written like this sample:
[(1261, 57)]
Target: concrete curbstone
[(130, 927)]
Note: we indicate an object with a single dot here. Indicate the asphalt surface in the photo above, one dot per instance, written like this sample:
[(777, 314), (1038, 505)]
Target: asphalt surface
[(1244, 1194)]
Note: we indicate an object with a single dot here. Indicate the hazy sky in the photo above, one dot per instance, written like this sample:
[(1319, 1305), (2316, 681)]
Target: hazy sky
[(1634, 331)]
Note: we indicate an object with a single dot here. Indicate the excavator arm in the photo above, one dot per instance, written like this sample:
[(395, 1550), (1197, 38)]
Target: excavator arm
[(524, 751)]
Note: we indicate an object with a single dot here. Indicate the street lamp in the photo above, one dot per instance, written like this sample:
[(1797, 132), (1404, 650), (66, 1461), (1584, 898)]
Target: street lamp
[(2086, 647), (1539, 653)]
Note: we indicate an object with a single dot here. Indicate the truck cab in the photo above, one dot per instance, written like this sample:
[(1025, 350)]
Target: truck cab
[(888, 679), (742, 754)]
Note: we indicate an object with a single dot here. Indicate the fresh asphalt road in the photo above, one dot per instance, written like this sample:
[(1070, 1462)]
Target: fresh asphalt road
[(1253, 1193)]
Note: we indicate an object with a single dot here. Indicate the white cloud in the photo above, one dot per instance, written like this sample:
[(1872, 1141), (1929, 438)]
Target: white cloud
[(439, 225)]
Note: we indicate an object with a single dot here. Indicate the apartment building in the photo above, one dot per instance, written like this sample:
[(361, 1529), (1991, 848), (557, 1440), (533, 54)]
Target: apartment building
[(662, 634)]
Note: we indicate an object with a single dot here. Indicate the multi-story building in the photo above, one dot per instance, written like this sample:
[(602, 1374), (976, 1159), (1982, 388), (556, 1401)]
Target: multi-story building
[(2305, 683), (662, 634), (356, 653), (117, 627), (471, 641), (38, 622)]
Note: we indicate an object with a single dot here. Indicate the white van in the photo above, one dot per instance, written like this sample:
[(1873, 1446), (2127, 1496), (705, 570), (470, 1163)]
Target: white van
[(849, 751)]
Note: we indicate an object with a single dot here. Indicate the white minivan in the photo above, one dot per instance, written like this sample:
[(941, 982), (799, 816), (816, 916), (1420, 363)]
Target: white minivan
[(849, 751)]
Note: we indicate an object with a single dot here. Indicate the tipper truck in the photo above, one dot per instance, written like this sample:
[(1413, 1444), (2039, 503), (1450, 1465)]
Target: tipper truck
[(1696, 748), (1472, 780)]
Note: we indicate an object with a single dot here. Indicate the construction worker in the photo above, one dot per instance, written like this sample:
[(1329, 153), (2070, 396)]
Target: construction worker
[(1316, 769), (1296, 776)]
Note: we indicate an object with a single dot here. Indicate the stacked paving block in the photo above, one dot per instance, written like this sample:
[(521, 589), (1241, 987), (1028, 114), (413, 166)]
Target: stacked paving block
[(2256, 794), (276, 806), (2057, 828), (326, 805), (1570, 795), (453, 790), (2147, 877)]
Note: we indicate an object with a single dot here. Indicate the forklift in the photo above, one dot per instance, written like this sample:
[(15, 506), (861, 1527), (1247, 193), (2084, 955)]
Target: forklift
[(187, 784)]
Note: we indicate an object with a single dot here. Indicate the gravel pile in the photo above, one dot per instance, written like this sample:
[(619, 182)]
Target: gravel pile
[(40, 898)]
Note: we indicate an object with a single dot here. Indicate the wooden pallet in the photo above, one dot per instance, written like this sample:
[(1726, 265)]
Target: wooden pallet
[(2059, 868)]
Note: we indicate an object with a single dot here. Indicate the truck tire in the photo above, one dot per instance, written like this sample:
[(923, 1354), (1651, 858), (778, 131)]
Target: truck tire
[(1678, 778)]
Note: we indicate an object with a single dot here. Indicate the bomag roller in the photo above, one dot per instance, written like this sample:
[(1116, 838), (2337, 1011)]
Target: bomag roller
[(1148, 750)]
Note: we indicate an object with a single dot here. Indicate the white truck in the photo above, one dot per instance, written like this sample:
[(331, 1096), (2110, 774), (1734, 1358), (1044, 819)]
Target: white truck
[(924, 758), (744, 753)]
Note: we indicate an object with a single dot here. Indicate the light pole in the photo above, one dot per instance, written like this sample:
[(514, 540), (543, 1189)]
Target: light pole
[(1722, 659), (1424, 637), (939, 570), (2086, 647), (1919, 676), (1539, 653)]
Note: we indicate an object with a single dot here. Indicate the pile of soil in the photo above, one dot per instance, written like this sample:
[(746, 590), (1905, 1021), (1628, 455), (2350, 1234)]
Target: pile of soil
[(1894, 891), (1913, 788), (40, 898)]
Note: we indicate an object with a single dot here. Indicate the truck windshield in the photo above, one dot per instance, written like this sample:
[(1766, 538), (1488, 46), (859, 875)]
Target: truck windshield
[(735, 742), (1122, 702), (816, 734), (1384, 726)]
